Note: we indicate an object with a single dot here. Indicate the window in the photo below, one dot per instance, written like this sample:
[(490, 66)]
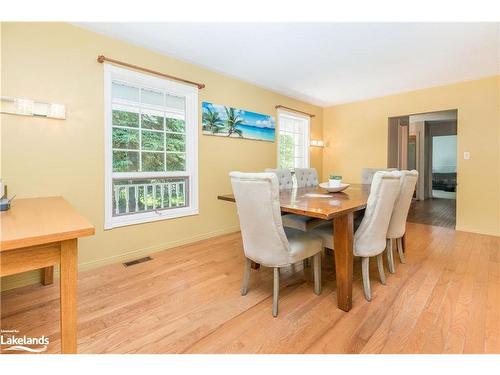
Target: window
[(293, 142), (151, 148)]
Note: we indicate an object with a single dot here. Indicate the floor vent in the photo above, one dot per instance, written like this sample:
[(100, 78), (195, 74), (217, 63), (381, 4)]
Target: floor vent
[(137, 261)]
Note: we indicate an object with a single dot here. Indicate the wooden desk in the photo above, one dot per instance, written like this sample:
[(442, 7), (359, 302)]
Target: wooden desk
[(339, 207), (40, 233)]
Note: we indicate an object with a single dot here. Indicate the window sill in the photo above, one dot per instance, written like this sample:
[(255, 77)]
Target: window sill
[(148, 217)]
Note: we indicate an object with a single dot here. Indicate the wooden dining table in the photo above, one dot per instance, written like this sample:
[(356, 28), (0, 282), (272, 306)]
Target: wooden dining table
[(339, 207)]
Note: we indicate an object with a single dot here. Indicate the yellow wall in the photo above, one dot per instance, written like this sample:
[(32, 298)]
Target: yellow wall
[(41, 157), (357, 136)]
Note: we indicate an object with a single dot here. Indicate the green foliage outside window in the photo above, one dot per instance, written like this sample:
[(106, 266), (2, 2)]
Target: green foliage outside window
[(286, 151), (124, 118), (153, 141), (175, 125), (127, 161), (152, 122)]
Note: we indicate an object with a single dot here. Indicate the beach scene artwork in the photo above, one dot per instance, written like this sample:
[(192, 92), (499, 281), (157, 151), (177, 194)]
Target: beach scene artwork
[(223, 121)]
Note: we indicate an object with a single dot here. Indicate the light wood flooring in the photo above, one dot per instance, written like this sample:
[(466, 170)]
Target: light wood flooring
[(445, 299)]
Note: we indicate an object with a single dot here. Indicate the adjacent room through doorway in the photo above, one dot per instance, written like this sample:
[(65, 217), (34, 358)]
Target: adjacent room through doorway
[(427, 142)]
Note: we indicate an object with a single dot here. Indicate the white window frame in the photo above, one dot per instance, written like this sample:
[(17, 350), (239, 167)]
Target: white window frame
[(190, 93), (307, 132)]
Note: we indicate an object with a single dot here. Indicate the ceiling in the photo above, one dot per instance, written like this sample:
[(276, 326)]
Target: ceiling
[(326, 63)]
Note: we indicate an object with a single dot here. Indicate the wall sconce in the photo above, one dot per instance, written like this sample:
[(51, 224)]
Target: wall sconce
[(316, 143), (28, 107)]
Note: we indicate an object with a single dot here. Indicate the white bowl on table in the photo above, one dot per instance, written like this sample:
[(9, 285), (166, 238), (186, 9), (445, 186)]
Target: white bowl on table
[(333, 189)]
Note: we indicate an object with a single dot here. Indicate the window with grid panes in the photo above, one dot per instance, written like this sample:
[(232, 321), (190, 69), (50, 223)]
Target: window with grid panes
[(293, 147), (151, 148)]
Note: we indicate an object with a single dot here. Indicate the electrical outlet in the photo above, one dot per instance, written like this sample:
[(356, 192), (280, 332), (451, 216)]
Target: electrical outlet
[(466, 155)]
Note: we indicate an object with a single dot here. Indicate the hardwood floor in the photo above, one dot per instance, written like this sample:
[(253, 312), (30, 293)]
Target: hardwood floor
[(435, 211), (445, 299)]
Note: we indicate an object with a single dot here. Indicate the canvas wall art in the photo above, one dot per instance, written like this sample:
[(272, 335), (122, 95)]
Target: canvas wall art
[(224, 121)]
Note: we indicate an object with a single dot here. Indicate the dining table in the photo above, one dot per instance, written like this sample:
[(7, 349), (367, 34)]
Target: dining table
[(340, 207)]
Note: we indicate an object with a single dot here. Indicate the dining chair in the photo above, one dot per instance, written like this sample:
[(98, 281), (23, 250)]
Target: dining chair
[(285, 179), (368, 173), (397, 225), (370, 237), (299, 222), (265, 241), (306, 177)]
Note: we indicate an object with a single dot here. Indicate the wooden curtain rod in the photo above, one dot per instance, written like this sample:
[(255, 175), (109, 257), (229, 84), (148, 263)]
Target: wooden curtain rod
[(102, 58), (295, 110)]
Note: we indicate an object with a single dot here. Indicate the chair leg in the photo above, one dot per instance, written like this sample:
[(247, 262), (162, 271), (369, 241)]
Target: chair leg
[(276, 291), (390, 256), (317, 273), (365, 268), (399, 243), (246, 276), (380, 265)]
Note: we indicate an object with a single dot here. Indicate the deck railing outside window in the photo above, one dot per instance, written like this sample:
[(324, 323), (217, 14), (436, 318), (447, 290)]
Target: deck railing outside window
[(135, 196)]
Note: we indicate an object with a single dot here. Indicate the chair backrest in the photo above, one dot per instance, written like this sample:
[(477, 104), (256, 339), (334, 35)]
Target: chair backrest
[(397, 225), (306, 177), (368, 173), (284, 177), (257, 201), (370, 238)]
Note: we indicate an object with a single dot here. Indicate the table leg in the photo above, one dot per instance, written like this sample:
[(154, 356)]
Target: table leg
[(343, 241), (68, 281), (255, 266), (47, 275)]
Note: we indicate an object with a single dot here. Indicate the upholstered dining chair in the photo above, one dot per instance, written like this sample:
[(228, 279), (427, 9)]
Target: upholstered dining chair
[(299, 222), (370, 237), (368, 173), (265, 241), (397, 225), (285, 179), (306, 177)]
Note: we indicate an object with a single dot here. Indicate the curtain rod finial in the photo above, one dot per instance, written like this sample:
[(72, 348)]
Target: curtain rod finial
[(101, 58)]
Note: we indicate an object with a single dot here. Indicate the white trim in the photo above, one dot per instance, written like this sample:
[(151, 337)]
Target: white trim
[(190, 93), (307, 131)]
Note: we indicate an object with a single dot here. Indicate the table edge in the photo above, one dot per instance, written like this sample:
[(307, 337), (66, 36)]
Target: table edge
[(41, 240), (230, 198)]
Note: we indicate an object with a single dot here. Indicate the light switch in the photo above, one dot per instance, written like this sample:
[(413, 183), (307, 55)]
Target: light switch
[(466, 155)]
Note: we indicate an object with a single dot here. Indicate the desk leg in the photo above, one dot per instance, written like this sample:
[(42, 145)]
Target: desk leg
[(69, 269), (343, 241), (47, 275)]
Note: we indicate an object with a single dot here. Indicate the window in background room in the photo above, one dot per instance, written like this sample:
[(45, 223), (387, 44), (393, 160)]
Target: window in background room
[(293, 142), (151, 148)]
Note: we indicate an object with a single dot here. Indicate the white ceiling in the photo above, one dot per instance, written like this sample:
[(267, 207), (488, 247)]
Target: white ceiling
[(326, 63)]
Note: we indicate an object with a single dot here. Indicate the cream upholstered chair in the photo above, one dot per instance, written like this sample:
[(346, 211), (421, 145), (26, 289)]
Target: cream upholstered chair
[(368, 173), (265, 241), (397, 225), (370, 237), (306, 177), (284, 176)]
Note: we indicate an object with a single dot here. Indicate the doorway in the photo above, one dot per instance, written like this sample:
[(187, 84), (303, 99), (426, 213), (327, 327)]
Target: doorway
[(427, 142)]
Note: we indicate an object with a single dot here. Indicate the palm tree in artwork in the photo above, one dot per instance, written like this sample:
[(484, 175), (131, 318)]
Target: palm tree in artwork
[(211, 121), (232, 121)]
